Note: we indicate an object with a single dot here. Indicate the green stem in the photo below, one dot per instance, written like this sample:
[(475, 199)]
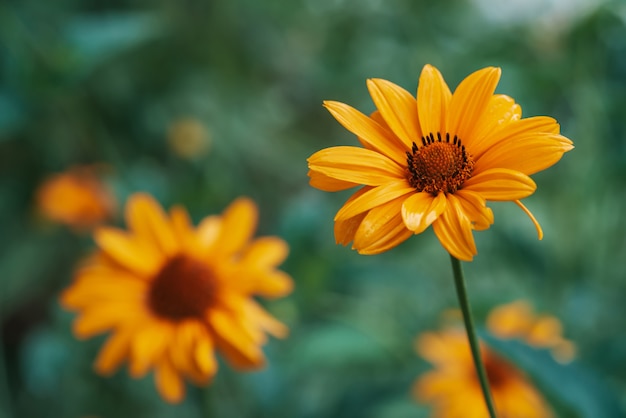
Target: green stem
[(461, 292)]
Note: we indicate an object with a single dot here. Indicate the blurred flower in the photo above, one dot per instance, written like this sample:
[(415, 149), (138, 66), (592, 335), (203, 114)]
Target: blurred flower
[(453, 387), (173, 294), (76, 197), (517, 320), (188, 138), (433, 160)]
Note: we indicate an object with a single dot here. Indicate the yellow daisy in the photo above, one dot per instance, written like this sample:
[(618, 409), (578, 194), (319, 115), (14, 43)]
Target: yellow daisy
[(172, 294), (516, 320), (453, 389), (434, 160)]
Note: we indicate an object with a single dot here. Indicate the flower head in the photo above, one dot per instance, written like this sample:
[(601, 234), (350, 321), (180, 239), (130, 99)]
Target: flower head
[(453, 388), (435, 160), (516, 320), (172, 294), (76, 197)]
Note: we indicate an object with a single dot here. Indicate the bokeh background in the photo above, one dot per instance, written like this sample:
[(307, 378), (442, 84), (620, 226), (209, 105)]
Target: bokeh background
[(115, 83)]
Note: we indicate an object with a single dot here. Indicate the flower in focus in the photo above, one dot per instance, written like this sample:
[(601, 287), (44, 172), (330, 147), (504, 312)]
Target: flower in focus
[(172, 294), (76, 197), (517, 320), (453, 388), (435, 160)]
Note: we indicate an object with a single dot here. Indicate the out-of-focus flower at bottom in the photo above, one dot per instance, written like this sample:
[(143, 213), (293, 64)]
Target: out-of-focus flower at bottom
[(516, 320), (172, 294), (453, 388), (77, 198)]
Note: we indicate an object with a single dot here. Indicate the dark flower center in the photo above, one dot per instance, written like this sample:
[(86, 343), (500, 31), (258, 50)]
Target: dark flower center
[(498, 370), (439, 164), (184, 288)]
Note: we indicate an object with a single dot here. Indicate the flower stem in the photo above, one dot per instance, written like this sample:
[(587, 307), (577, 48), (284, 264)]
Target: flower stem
[(461, 292)]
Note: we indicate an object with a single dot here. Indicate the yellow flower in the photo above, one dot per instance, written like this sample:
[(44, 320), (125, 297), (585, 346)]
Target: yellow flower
[(454, 390), (434, 160), (172, 294), (517, 320), (76, 197), (188, 138)]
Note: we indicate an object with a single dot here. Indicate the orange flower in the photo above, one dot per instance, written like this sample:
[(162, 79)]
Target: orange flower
[(76, 197), (434, 160), (172, 294), (454, 390), (517, 320)]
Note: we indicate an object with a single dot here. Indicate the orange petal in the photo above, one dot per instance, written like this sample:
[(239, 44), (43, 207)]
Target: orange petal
[(238, 225), (381, 225), (136, 255), (148, 345), (230, 331), (104, 316), (146, 219), (469, 101), (475, 206), (500, 184), (511, 131), (370, 133), (374, 197), (501, 111), (114, 351), (346, 229), (328, 184), (532, 218), (527, 154), (265, 252), (454, 231), (421, 209), (399, 109), (355, 165), (168, 381), (433, 97)]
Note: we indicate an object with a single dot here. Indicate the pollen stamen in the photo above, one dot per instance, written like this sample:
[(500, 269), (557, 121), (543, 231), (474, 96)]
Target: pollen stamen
[(439, 165)]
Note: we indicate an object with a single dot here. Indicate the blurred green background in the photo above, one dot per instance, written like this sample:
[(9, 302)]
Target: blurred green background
[(106, 81)]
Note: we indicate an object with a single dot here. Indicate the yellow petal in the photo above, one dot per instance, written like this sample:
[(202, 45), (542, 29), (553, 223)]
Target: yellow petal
[(370, 133), (382, 224), (396, 237), (204, 356), (454, 231), (136, 255), (527, 154), (208, 231), (399, 109), (238, 225), (345, 229), (510, 131), (148, 345), (146, 219), (230, 331), (168, 381), (265, 252), (532, 218), (469, 101), (433, 97), (501, 184), (266, 321), (328, 184), (421, 209), (475, 206), (355, 165), (103, 316), (374, 197), (114, 351), (501, 111), (270, 284)]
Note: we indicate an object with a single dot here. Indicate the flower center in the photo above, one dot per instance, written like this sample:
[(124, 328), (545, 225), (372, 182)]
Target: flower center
[(439, 164), (498, 370), (184, 288)]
